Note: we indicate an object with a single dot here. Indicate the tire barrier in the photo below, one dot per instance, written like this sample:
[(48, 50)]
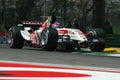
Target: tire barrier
[(3, 37)]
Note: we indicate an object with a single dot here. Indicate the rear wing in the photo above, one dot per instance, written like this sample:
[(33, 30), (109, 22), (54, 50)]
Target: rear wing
[(30, 24), (33, 24), (48, 23)]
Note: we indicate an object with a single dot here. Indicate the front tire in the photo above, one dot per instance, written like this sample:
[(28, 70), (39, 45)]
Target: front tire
[(97, 46), (15, 39), (97, 38)]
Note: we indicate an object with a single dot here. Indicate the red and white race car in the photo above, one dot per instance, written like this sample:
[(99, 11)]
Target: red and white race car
[(50, 36)]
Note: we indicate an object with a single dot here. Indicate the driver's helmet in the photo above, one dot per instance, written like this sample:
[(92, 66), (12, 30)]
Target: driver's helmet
[(56, 24)]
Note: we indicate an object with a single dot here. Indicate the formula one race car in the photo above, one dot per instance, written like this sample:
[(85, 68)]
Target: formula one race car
[(50, 36)]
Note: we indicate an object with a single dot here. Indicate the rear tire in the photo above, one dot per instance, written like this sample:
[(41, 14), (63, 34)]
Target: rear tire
[(15, 39), (49, 38)]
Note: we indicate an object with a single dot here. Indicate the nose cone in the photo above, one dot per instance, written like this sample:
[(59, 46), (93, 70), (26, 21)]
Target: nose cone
[(83, 38)]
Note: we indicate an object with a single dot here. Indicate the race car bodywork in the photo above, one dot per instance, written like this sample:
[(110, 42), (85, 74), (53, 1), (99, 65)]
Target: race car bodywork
[(51, 38)]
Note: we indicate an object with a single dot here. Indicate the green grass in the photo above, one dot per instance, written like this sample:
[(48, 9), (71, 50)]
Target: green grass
[(116, 30), (2, 28)]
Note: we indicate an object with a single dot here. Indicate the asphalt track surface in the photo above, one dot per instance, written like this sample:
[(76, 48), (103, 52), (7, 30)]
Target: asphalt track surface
[(37, 55)]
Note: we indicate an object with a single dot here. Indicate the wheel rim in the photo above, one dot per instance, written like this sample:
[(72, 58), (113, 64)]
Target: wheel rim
[(10, 38), (44, 37)]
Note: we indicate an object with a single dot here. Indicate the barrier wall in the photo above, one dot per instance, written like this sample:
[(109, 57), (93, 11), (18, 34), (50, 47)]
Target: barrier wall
[(3, 37), (113, 40)]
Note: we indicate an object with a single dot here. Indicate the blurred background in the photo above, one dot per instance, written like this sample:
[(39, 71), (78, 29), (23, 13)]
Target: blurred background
[(79, 12)]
